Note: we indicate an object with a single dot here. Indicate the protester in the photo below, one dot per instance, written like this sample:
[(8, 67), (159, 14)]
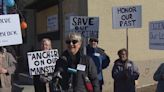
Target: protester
[(100, 58), (40, 81), (124, 73), (159, 76), (78, 71), (7, 68)]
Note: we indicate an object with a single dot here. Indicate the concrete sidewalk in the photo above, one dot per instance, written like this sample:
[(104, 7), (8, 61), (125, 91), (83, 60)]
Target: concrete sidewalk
[(23, 83)]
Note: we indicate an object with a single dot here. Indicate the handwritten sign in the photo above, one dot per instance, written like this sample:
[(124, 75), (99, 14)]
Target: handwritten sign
[(42, 62), (126, 17), (87, 26), (10, 31)]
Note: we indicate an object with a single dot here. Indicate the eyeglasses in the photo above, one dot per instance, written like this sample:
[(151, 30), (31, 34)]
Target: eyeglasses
[(71, 41)]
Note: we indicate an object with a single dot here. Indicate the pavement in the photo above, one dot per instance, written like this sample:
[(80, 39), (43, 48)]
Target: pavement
[(23, 83)]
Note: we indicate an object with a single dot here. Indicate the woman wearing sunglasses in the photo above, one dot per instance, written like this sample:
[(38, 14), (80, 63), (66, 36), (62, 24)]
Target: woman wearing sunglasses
[(78, 71)]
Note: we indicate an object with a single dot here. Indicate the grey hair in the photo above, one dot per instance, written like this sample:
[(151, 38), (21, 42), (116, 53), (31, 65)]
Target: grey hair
[(46, 40), (73, 36)]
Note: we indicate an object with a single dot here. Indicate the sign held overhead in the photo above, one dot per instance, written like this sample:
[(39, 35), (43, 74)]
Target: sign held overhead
[(10, 31), (126, 17), (87, 26)]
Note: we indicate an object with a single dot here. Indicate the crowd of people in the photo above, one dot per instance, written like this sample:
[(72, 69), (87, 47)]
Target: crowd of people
[(77, 71)]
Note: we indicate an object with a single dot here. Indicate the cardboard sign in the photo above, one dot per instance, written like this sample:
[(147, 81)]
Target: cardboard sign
[(156, 35), (87, 26), (10, 31), (42, 62), (126, 17)]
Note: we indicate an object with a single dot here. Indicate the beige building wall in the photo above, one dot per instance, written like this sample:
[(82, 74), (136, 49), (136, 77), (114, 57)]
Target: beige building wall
[(112, 40)]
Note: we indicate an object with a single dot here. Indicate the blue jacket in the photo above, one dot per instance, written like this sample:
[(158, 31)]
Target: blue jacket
[(101, 60), (124, 78), (158, 77)]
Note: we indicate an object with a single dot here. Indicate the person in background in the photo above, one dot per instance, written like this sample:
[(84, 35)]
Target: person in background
[(124, 73), (78, 71), (159, 76), (41, 80), (100, 58), (7, 68)]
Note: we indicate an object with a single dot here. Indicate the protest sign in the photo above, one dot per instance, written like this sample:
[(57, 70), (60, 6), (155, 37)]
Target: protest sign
[(126, 17), (10, 31), (87, 26), (42, 62)]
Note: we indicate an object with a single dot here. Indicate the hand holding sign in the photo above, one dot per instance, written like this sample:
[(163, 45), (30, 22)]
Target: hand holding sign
[(3, 70)]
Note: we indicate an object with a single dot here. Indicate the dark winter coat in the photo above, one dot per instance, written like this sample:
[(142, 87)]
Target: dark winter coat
[(77, 81), (124, 78), (158, 77), (101, 60)]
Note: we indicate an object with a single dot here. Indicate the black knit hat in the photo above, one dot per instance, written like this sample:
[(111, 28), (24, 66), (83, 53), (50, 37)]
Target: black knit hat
[(93, 39)]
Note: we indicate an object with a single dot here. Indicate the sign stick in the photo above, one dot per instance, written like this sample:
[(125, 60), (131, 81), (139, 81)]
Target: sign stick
[(127, 40)]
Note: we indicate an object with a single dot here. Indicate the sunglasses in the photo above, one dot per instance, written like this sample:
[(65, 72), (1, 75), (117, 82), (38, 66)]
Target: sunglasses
[(71, 41)]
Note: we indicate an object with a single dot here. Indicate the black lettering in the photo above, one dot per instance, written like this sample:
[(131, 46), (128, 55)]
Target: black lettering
[(36, 63), (133, 22), (41, 62), (79, 21), (91, 21), (49, 61), (38, 56), (126, 17), (33, 56), (44, 54), (74, 21), (14, 32), (9, 33), (6, 20), (32, 70), (76, 28), (121, 23), (123, 17), (126, 10), (85, 21)]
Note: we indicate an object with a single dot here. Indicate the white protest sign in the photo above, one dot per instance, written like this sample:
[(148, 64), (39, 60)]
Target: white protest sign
[(156, 35), (10, 31), (42, 62), (126, 17), (87, 26)]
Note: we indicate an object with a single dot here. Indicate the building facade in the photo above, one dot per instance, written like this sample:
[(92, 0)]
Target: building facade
[(41, 25)]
